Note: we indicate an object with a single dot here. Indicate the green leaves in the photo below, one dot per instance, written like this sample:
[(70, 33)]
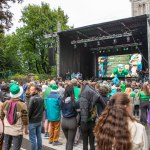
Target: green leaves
[(5, 14), (9, 55), (28, 46)]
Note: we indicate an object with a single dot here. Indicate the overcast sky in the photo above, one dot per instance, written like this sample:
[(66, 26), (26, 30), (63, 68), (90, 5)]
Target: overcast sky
[(81, 12)]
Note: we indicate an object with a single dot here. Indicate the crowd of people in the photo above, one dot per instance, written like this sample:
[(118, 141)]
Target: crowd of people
[(103, 114)]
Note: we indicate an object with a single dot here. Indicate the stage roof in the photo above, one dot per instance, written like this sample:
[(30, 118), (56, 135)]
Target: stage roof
[(133, 24)]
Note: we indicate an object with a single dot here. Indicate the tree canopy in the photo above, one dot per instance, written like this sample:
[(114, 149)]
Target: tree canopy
[(5, 14), (28, 46)]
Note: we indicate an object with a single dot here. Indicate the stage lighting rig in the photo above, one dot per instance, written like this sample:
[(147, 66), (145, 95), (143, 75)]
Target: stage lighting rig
[(128, 39), (114, 41), (117, 46), (98, 43), (101, 38), (85, 44), (75, 46)]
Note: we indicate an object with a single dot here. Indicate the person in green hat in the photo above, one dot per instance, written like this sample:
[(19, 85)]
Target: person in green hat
[(15, 118), (46, 90), (54, 115)]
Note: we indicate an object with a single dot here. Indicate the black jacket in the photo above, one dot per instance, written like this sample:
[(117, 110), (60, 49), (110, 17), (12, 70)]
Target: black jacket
[(89, 97), (102, 104), (35, 109)]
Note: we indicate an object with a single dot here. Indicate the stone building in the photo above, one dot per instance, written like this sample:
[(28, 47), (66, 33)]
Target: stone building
[(140, 7)]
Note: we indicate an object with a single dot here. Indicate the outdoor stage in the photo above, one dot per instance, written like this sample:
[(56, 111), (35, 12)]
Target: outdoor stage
[(79, 49)]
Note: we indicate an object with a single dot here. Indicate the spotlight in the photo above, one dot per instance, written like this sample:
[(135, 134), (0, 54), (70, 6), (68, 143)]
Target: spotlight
[(98, 43), (115, 41), (117, 49), (75, 46), (85, 44), (128, 39)]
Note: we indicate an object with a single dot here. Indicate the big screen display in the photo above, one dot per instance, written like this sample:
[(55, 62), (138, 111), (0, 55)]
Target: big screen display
[(120, 65)]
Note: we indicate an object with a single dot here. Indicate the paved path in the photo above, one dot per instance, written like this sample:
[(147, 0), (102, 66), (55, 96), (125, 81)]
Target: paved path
[(47, 146), (63, 140), (50, 146)]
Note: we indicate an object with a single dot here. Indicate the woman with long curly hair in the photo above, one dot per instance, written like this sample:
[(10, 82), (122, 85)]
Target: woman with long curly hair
[(116, 129)]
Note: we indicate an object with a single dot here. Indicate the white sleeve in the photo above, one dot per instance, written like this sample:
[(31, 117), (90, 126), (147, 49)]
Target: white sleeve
[(145, 140)]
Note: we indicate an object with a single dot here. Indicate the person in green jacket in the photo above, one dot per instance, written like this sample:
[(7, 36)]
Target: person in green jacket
[(76, 89), (144, 97), (122, 86), (76, 94), (120, 71)]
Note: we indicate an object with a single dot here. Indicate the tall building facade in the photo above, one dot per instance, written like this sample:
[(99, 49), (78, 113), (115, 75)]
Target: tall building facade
[(140, 7)]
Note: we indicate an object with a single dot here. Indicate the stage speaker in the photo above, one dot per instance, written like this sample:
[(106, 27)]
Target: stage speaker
[(51, 57)]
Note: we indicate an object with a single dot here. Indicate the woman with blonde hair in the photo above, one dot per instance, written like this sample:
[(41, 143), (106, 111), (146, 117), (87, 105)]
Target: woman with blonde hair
[(128, 91), (144, 96), (116, 128)]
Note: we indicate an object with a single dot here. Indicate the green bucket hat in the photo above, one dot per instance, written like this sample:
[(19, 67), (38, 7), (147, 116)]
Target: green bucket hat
[(15, 90)]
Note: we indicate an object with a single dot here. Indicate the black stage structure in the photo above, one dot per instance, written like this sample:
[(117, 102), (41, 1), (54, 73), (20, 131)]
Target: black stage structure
[(79, 48)]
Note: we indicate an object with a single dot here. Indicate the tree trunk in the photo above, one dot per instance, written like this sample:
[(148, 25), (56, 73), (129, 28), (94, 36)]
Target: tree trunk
[(37, 68)]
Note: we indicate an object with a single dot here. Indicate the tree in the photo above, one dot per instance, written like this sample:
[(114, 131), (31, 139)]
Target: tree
[(2, 58), (10, 54), (39, 21), (5, 14), (10, 59)]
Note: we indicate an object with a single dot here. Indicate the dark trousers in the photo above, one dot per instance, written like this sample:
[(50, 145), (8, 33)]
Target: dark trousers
[(136, 110), (87, 134), (69, 127), (144, 106), (15, 140), (1, 140)]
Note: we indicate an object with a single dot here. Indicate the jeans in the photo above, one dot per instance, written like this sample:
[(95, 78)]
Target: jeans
[(35, 136), (87, 134), (15, 140)]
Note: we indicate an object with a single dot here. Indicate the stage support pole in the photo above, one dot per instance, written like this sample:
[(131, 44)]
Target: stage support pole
[(148, 40), (94, 65), (58, 49)]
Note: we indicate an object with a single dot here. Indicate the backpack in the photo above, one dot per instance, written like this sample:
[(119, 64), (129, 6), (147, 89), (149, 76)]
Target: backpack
[(12, 112)]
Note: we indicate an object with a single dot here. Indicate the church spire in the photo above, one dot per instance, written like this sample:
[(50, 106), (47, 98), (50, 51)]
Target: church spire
[(140, 7)]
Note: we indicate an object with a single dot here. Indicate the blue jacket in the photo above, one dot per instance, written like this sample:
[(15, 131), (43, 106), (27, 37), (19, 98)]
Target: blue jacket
[(69, 107), (53, 106)]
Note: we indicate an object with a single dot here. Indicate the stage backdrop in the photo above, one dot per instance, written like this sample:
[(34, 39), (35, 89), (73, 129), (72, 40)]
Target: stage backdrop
[(130, 62)]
